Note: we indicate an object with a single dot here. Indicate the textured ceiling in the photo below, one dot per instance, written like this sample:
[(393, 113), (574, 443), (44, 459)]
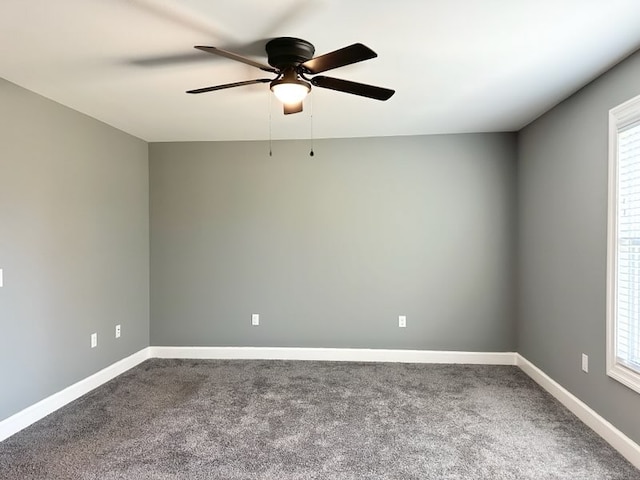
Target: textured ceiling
[(457, 65)]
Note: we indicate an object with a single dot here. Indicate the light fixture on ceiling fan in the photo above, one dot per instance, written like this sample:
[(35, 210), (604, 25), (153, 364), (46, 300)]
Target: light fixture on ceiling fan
[(290, 89)]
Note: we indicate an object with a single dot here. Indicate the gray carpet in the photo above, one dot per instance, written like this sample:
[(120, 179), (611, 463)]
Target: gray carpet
[(194, 419)]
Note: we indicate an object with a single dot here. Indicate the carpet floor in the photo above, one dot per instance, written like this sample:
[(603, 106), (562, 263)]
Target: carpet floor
[(268, 420)]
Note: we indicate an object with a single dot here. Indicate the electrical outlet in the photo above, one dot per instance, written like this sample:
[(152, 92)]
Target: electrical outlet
[(117, 331), (94, 340), (1, 280), (585, 363), (402, 321), (255, 319)]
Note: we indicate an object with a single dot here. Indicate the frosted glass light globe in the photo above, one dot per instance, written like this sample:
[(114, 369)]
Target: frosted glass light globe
[(293, 92)]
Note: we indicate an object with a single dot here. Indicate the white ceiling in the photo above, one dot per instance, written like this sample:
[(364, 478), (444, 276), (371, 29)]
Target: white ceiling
[(457, 65)]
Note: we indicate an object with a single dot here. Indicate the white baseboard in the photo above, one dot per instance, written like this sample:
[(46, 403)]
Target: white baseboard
[(618, 440), (38, 411), (335, 354)]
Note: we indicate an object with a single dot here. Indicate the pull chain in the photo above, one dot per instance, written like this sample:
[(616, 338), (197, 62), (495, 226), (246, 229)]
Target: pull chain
[(270, 136), (311, 154)]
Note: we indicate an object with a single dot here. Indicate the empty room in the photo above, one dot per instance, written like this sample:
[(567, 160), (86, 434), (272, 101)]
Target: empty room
[(313, 239)]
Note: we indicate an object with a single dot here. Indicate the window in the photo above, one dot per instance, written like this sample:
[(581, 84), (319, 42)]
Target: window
[(623, 255)]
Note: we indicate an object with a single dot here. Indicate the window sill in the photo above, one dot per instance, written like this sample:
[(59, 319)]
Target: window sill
[(625, 375)]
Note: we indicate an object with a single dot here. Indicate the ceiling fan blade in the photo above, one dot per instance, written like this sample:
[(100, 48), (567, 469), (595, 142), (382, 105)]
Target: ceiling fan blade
[(369, 91), (290, 108), (339, 58), (236, 57), (229, 85)]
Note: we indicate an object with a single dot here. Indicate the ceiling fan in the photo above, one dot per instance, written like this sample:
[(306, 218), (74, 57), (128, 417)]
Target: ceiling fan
[(292, 61)]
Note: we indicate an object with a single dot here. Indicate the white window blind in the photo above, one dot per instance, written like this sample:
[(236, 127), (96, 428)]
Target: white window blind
[(627, 329)]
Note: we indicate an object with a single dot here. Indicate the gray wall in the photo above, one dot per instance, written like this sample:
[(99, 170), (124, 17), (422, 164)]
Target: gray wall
[(563, 245), (331, 249), (73, 246)]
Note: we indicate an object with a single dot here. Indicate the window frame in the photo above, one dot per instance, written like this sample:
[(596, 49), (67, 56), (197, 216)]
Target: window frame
[(620, 118)]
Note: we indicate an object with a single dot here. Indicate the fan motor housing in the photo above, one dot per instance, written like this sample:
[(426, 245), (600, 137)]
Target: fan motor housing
[(283, 52)]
